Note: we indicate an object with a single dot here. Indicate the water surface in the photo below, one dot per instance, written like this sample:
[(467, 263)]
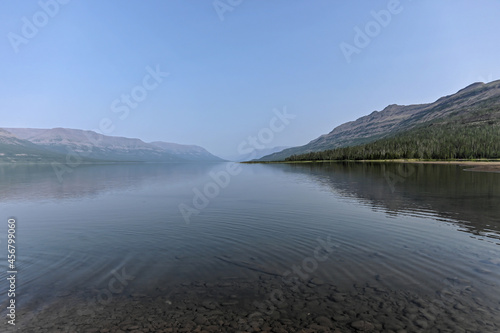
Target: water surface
[(396, 235)]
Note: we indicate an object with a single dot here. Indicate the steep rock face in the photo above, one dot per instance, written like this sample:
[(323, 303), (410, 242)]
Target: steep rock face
[(398, 118)]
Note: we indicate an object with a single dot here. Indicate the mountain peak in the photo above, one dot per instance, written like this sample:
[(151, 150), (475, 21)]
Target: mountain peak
[(472, 86), (395, 118)]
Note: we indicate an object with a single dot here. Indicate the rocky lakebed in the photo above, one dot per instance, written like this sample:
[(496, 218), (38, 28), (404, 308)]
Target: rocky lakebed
[(268, 305)]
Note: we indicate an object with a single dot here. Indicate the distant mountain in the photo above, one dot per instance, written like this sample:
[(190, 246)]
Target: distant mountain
[(186, 152), (96, 146), (475, 103), (259, 153), (256, 154), (14, 149)]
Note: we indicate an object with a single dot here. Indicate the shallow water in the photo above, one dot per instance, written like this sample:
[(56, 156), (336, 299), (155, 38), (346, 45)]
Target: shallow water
[(325, 246)]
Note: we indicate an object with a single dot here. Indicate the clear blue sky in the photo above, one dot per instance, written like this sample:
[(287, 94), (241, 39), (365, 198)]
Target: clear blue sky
[(226, 76)]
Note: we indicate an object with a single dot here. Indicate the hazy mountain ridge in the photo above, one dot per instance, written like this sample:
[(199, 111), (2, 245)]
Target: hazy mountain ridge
[(14, 149), (188, 152), (398, 118), (255, 154), (96, 146)]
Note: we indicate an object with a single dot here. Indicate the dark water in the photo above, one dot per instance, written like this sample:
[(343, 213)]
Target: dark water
[(422, 230)]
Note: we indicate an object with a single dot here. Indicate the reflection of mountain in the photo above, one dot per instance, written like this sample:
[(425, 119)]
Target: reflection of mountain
[(444, 191), (27, 182)]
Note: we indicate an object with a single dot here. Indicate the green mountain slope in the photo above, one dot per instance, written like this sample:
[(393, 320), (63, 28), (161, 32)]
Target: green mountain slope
[(473, 105), (437, 141)]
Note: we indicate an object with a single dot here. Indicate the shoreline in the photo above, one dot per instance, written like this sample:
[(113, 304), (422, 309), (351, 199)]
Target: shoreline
[(476, 165)]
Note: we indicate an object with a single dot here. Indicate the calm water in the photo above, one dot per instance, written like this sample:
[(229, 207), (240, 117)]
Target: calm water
[(408, 228)]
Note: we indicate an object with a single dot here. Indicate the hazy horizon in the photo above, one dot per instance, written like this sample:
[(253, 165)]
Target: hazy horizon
[(232, 67)]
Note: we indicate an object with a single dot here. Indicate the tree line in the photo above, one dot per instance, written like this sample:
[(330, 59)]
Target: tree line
[(443, 142)]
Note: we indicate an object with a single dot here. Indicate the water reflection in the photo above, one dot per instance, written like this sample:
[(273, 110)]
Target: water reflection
[(33, 182), (236, 251), (442, 191)]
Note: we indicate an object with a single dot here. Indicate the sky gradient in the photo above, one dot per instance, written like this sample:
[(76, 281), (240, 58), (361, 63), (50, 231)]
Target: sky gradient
[(230, 67)]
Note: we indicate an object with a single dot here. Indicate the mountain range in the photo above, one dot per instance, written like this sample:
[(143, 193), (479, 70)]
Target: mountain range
[(43, 145), (398, 131), (478, 104), (255, 154)]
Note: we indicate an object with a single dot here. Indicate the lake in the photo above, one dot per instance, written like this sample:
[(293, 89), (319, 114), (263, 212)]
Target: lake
[(330, 247)]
